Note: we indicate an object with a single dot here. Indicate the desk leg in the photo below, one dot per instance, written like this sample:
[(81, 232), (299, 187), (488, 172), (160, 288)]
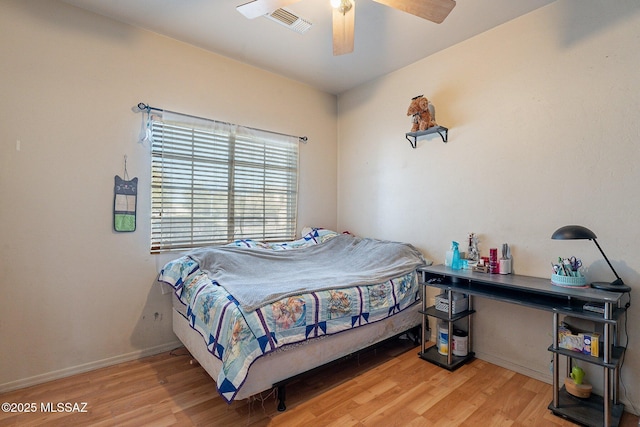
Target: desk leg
[(616, 385), (469, 325), (607, 397), (607, 358), (556, 367), (423, 333), (450, 329)]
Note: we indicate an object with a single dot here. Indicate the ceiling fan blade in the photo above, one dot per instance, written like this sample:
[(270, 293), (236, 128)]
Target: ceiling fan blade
[(432, 10), (257, 8), (343, 27)]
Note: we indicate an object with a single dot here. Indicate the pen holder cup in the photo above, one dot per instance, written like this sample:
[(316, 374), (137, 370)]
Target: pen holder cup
[(504, 266), (557, 279)]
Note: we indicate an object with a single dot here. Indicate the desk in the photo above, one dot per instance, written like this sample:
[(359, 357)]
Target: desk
[(540, 294)]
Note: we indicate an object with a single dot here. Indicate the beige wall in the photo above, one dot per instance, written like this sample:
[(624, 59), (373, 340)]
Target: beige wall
[(544, 132), (76, 295)]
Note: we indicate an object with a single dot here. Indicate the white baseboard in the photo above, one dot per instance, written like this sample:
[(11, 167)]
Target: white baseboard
[(73, 370)]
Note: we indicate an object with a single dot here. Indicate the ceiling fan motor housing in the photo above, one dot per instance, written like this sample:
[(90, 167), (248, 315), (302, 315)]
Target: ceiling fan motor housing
[(343, 6)]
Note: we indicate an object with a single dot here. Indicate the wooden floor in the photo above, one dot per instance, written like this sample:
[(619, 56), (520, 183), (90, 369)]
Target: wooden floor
[(390, 386)]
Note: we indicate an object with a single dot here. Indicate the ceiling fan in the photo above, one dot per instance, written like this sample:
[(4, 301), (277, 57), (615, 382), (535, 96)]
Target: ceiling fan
[(344, 15)]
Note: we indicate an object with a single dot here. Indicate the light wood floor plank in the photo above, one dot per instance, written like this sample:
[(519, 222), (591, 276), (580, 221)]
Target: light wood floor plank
[(387, 387)]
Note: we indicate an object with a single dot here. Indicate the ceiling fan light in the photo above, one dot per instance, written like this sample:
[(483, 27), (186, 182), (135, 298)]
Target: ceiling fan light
[(343, 6)]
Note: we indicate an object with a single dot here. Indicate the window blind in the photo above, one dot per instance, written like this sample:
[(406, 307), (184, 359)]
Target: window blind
[(215, 182)]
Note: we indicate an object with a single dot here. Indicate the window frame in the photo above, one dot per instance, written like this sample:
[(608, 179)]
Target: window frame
[(199, 165)]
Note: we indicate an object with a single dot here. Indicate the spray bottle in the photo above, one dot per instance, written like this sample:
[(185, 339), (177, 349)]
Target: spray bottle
[(456, 262)]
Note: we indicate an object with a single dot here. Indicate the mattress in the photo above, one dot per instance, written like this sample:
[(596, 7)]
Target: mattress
[(232, 340), (293, 360)]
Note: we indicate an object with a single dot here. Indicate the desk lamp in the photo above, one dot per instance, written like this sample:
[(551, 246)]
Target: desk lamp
[(573, 232)]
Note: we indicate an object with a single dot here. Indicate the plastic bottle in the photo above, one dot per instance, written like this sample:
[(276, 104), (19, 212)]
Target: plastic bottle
[(456, 262), (443, 338), (448, 258)]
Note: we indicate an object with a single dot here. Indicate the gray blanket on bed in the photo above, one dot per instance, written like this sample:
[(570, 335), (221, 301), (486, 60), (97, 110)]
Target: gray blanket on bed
[(256, 277)]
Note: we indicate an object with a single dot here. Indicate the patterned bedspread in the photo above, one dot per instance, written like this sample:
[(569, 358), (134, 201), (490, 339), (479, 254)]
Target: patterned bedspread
[(238, 337)]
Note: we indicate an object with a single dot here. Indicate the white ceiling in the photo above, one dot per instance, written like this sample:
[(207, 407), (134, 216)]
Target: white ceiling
[(385, 39)]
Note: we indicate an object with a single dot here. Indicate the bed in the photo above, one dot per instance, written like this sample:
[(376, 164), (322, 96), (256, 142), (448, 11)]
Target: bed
[(255, 314)]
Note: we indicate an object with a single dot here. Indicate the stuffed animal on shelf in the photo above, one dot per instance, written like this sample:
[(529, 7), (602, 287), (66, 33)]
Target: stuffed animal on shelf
[(422, 112)]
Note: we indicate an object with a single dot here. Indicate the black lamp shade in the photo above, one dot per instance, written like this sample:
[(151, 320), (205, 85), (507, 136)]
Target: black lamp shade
[(573, 232)]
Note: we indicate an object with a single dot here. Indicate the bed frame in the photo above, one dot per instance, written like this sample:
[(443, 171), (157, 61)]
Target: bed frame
[(283, 365)]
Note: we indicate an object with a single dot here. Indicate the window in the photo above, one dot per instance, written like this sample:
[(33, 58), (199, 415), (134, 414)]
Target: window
[(214, 182)]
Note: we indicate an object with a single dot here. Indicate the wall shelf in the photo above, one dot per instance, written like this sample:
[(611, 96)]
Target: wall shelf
[(440, 130)]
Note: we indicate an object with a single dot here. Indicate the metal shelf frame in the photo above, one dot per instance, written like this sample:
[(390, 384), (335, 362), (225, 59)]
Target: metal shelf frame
[(540, 294), (440, 130)]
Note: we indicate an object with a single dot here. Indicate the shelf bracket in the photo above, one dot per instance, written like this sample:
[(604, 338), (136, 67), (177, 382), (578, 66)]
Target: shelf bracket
[(413, 143), (444, 133), (440, 130)]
